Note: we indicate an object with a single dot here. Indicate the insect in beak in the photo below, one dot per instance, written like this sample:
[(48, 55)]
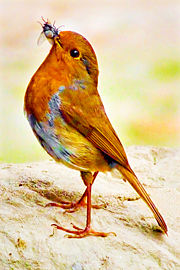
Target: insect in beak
[(49, 32)]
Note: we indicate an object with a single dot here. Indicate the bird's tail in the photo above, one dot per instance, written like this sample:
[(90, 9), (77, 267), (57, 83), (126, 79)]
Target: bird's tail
[(130, 176)]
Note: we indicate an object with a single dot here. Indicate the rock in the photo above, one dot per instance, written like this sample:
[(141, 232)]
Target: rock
[(27, 240)]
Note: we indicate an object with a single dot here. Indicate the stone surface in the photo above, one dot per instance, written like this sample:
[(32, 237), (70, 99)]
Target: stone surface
[(27, 240)]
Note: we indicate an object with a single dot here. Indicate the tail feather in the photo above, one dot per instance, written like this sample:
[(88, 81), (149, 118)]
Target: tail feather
[(133, 180)]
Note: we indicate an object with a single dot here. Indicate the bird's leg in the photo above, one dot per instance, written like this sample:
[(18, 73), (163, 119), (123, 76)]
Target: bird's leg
[(78, 232), (74, 206)]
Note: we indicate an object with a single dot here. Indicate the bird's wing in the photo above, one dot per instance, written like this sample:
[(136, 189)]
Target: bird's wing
[(90, 119)]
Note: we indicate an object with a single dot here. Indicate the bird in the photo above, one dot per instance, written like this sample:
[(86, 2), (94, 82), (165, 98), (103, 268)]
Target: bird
[(66, 114)]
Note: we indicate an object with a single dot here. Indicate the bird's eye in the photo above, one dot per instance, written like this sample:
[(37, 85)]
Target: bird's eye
[(74, 53)]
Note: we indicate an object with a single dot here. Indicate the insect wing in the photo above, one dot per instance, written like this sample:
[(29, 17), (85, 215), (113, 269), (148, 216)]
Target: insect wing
[(41, 38)]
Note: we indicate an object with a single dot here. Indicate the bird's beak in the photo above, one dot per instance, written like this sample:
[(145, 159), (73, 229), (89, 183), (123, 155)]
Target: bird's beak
[(57, 41)]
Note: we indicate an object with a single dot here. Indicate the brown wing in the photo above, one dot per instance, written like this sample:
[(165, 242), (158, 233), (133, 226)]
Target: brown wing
[(90, 119)]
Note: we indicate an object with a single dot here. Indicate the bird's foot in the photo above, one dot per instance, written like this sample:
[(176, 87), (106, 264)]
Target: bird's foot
[(75, 206), (80, 233), (71, 207)]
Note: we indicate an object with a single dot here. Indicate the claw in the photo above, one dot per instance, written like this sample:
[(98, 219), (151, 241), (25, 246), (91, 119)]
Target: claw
[(76, 227), (80, 233), (57, 204)]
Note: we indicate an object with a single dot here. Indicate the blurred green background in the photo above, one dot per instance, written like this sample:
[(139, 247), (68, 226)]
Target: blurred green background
[(137, 45)]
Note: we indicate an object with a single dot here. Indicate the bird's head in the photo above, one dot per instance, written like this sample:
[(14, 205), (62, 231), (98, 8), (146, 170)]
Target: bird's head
[(72, 50)]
